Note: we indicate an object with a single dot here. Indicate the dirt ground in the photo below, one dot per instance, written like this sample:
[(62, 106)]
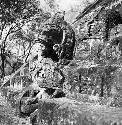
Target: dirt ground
[(8, 115)]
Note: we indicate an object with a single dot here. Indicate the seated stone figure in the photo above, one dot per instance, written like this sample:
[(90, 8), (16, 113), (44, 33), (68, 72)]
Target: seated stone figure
[(29, 104), (58, 37)]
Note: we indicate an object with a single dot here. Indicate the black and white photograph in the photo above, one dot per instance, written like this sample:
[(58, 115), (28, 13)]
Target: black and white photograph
[(60, 62)]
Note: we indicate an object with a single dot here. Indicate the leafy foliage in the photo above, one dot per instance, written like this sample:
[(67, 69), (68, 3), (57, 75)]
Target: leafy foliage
[(15, 15), (11, 10)]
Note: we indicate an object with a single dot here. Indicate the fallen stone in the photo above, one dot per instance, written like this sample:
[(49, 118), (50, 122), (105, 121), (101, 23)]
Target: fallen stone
[(63, 111)]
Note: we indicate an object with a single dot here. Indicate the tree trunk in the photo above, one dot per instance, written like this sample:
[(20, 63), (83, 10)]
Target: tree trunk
[(102, 85), (3, 62)]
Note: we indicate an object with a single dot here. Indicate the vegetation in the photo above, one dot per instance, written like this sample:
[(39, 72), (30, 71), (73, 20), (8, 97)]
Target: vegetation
[(15, 17)]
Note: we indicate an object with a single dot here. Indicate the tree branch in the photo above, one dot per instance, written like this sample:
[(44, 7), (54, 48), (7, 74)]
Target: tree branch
[(19, 27), (3, 58), (28, 52), (7, 36), (2, 31)]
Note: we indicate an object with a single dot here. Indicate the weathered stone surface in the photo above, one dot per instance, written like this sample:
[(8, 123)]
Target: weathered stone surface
[(69, 112)]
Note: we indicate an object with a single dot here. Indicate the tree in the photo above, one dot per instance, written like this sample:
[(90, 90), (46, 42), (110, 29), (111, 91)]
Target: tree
[(14, 14)]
